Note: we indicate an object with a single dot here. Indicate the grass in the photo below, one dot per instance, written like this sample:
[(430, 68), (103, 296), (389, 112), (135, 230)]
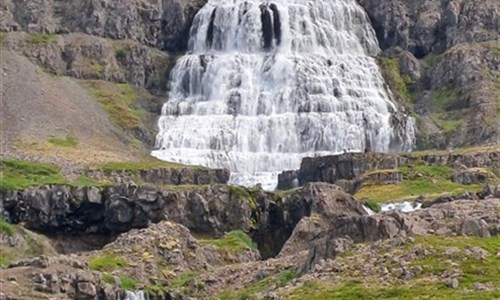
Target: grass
[(244, 194), (427, 285), (373, 205), (19, 174), (398, 83), (234, 241), (85, 181), (182, 280), (279, 280), (353, 291), (448, 99), (459, 151), (3, 260), (128, 283), (42, 38), (136, 167), (68, 142), (106, 262), (447, 123), (120, 53), (107, 278), (119, 101), (29, 244), (6, 228), (496, 50), (473, 270), (419, 179)]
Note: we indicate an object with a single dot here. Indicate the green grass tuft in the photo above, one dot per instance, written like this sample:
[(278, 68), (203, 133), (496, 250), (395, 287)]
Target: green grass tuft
[(182, 280), (3, 260), (373, 205), (279, 280), (136, 167), (68, 142), (106, 262), (120, 54), (85, 181), (107, 278), (42, 38), (6, 228), (398, 83), (418, 179), (119, 101), (19, 174), (234, 241), (128, 283)]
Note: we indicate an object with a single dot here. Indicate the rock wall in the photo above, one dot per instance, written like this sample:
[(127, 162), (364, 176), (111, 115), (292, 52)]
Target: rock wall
[(209, 210), (446, 54), (350, 169), (432, 26), (158, 23)]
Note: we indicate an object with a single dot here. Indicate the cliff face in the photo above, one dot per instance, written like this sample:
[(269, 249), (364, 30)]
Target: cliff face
[(448, 57), (163, 24)]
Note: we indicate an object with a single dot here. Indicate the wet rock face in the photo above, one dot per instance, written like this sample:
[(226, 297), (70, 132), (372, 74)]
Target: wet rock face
[(429, 26), (162, 24)]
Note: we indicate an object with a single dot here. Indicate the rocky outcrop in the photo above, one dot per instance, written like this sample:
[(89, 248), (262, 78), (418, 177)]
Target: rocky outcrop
[(85, 56), (209, 210), (164, 176), (205, 209), (432, 25), (350, 170), (327, 237), (155, 255), (163, 24), (446, 54), (331, 169)]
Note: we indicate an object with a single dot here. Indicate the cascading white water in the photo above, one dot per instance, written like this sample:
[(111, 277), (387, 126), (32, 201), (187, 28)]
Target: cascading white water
[(136, 295), (266, 83)]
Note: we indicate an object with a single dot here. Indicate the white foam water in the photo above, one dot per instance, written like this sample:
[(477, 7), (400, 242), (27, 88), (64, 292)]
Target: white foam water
[(266, 83), (135, 295)]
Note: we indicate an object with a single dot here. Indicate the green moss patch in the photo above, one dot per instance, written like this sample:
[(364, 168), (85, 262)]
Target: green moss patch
[(128, 283), (42, 38), (418, 179), (279, 280), (182, 280), (6, 228), (136, 167), (234, 241), (397, 82), (473, 270), (19, 174), (373, 205), (68, 142), (119, 101), (107, 262)]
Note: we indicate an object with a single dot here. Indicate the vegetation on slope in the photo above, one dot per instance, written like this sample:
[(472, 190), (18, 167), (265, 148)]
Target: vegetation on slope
[(418, 179), (446, 255), (233, 242), (19, 174)]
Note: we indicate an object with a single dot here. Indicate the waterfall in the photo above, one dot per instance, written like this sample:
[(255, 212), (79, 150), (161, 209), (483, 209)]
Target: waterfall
[(266, 83), (137, 295)]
